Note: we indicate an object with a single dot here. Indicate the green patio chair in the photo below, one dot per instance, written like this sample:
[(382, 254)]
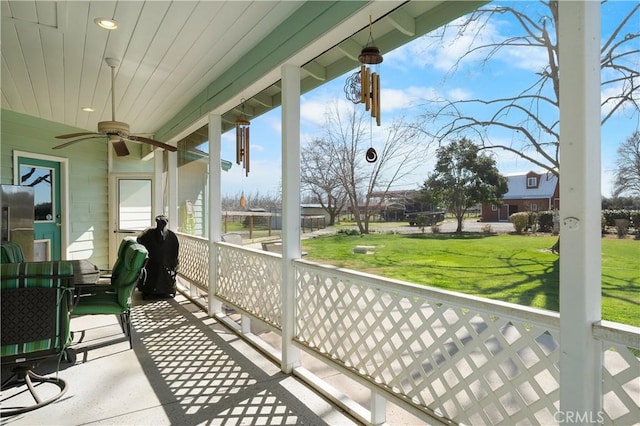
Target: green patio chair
[(107, 275), (11, 253), (35, 312), (115, 299)]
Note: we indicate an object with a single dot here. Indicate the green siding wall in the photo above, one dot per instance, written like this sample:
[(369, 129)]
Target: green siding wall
[(88, 179)]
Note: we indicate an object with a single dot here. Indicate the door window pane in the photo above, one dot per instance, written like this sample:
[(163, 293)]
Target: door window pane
[(134, 204), (41, 180)]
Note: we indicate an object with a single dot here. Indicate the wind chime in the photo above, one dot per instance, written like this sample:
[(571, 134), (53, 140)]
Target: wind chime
[(364, 85), (242, 146)]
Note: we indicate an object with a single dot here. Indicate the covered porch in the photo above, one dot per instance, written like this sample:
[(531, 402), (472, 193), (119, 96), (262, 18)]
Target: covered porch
[(369, 351), (291, 325)]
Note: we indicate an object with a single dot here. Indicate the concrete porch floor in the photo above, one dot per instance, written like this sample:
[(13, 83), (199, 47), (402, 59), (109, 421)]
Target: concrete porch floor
[(184, 369)]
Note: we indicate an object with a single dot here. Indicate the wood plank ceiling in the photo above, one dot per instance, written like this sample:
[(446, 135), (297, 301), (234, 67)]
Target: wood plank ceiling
[(174, 55)]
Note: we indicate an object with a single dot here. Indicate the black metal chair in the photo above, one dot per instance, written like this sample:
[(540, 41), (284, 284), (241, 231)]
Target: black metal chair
[(37, 298)]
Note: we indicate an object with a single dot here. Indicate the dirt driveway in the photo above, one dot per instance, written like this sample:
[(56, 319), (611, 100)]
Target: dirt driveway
[(449, 225)]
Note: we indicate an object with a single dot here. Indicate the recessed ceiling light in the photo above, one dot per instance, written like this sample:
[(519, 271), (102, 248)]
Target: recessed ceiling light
[(88, 109), (106, 23)]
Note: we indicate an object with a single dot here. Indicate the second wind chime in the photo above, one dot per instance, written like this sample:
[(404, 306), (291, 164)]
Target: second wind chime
[(242, 146), (364, 85)]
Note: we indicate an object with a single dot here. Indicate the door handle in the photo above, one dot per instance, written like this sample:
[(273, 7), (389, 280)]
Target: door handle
[(58, 224)]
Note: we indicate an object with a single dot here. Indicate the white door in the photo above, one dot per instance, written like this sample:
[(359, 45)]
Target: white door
[(133, 213)]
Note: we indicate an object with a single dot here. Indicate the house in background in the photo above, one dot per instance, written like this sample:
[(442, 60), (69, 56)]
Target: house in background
[(528, 192)]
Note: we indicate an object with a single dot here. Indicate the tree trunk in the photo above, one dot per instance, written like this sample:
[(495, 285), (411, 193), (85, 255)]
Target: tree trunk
[(555, 248)]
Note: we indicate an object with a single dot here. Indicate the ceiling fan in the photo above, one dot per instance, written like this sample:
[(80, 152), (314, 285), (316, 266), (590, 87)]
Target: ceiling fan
[(116, 132)]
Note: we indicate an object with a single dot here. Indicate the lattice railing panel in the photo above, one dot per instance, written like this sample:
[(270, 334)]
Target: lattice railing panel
[(250, 279), (194, 259), (471, 360), (464, 359), (620, 373)]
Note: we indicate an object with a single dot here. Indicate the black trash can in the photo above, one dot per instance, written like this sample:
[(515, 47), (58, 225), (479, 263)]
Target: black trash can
[(162, 267)]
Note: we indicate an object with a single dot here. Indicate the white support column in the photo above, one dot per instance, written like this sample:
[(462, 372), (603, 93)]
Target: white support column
[(158, 168), (215, 213), (290, 209), (580, 246), (172, 180), (378, 408)]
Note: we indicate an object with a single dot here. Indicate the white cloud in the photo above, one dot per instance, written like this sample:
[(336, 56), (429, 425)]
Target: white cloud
[(443, 48), (275, 123), (613, 91), (458, 94), (529, 58)]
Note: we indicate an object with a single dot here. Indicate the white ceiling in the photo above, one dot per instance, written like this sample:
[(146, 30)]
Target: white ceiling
[(181, 58)]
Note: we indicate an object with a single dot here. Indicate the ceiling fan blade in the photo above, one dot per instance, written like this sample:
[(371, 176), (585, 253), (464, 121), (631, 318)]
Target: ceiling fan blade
[(120, 147), (66, 144), (75, 135), (153, 142)]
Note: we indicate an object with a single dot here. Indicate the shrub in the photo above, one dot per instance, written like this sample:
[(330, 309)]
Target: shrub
[(422, 221), (545, 221), (532, 219), (487, 229), (634, 217), (622, 227), (348, 232), (520, 221), (435, 229), (611, 215)]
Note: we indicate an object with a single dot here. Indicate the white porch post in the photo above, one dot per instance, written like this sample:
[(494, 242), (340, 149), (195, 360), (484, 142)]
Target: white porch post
[(580, 246), (172, 181), (290, 209), (158, 168), (215, 213)]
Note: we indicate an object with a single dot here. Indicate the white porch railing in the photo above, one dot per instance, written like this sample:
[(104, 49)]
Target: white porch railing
[(438, 354), (250, 280)]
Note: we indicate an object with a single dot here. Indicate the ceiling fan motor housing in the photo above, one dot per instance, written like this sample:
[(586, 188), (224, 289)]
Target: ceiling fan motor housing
[(113, 128)]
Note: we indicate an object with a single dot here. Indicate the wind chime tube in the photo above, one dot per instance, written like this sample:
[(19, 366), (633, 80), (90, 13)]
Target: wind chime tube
[(246, 150), (362, 83), (367, 88), (374, 95), (378, 99), (238, 144)]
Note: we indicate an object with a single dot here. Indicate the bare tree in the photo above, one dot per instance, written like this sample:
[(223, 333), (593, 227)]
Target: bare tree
[(347, 137), (531, 115), (319, 177), (628, 167)]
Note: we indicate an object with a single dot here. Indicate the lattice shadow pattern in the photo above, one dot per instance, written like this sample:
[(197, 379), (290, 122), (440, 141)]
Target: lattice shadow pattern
[(206, 376)]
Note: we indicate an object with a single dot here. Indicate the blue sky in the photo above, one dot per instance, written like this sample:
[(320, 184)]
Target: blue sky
[(409, 75)]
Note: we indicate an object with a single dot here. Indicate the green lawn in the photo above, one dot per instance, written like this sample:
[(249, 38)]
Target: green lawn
[(512, 268)]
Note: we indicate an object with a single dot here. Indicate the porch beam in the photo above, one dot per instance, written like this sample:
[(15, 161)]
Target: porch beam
[(580, 249), (290, 209), (214, 207)]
